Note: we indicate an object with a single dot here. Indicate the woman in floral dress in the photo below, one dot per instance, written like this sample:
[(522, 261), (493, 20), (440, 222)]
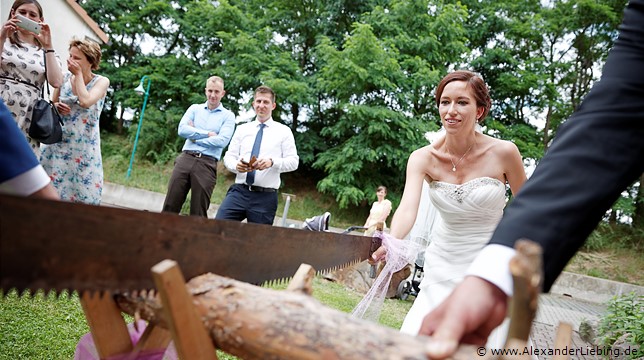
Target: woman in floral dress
[(75, 164), (22, 69)]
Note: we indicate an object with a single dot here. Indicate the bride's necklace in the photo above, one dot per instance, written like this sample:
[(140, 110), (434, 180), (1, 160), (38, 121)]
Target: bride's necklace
[(459, 160)]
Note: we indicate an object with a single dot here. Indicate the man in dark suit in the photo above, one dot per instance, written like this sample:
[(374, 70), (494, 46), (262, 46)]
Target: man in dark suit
[(20, 171), (597, 153)]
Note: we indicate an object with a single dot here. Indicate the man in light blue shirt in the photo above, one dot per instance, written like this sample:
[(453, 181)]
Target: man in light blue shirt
[(207, 129)]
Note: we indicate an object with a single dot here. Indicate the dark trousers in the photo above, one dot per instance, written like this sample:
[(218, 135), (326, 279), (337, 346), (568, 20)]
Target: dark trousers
[(254, 206), (191, 173)]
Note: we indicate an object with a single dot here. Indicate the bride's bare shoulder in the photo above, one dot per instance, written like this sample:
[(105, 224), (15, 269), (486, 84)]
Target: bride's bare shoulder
[(426, 153), (503, 147)]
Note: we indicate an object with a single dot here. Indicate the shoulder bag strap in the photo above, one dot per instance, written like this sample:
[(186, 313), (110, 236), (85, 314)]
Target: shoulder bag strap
[(46, 85)]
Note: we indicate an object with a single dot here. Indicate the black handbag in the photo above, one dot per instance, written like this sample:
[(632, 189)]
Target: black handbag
[(46, 122)]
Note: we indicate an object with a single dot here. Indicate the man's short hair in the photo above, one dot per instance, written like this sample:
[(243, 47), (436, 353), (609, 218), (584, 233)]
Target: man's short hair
[(215, 79), (265, 90)]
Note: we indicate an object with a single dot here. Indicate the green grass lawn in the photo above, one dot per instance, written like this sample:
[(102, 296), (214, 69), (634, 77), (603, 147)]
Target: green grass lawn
[(49, 327), (40, 326)]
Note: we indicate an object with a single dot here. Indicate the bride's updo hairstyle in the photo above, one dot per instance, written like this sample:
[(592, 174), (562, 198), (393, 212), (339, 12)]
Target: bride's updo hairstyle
[(475, 82)]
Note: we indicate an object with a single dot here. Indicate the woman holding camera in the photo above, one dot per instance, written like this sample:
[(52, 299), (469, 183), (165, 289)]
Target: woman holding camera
[(26, 47), (75, 164)]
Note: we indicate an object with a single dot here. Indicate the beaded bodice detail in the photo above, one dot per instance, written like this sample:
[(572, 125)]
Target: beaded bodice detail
[(459, 192)]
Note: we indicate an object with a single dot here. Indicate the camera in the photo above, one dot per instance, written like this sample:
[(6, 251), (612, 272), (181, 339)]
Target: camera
[(28, 24)]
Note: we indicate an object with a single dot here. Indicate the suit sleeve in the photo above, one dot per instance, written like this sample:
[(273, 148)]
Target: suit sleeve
[(20, 171), (596, 154), (16, 157)]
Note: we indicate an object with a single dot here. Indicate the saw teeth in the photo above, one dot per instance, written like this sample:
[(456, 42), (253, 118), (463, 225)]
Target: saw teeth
[(276, 283), (31, 293), (149, 294), (14, 291)]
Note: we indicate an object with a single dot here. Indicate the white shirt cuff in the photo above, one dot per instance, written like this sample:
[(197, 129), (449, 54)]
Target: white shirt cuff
[(493, 265), (26, 183)]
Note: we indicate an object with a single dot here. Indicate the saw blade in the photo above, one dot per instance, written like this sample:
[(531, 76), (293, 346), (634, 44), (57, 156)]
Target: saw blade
[(59, 245)]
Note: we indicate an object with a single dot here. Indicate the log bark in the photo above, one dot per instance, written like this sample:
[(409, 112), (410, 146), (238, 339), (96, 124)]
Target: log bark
[(526, 268), (258, 323)]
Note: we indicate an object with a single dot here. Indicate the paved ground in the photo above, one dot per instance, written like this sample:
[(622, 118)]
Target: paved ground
[(554, 309)]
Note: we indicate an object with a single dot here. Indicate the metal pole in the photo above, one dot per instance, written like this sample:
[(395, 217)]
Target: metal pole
[(288, 203), (138, 130)]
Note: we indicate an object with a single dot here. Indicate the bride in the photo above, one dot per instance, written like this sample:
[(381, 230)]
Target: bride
[(467, 173)]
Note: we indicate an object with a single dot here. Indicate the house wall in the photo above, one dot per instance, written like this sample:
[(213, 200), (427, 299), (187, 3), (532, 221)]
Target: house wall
[(64, 22)]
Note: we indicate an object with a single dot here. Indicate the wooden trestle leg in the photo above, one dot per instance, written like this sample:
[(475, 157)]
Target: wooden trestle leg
[(188, 331), (106, 324), (110, 333)]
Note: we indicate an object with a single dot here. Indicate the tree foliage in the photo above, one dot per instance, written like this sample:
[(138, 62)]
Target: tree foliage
[(355, 79)]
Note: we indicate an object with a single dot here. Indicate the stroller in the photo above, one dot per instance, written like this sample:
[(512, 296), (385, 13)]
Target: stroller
[(321, 223), (411, 286)]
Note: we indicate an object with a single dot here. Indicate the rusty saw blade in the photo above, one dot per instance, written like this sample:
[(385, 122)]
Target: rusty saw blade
[(58, 245)]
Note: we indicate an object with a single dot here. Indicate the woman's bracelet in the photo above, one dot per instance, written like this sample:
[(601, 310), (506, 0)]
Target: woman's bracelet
[(49, 50)]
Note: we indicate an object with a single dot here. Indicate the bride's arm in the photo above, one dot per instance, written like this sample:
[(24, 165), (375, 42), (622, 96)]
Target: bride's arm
[(513, 168), (405, 214)]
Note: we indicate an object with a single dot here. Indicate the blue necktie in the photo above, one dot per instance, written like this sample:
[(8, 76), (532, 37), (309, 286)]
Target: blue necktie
[(250, 177)]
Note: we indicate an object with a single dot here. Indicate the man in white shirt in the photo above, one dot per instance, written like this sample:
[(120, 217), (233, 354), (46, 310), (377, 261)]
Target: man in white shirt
[(20, 171), (258, 153)]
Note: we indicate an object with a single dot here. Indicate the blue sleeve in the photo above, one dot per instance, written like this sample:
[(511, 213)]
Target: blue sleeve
[(224, 135), (16, 156), (188, 131)]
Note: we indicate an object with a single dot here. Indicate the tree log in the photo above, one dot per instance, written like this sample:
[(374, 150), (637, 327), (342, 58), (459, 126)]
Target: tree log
[(258, 323)]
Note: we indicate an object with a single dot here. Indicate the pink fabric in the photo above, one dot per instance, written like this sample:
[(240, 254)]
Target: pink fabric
[(400, 253), (86, 350)]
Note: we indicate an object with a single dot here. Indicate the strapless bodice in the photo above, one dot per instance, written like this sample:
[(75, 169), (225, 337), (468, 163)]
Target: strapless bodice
[(472, 208), (469, 213)]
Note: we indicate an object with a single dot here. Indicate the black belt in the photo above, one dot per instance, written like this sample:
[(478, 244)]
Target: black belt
[(255, 188), (21, 81), (197, 154)]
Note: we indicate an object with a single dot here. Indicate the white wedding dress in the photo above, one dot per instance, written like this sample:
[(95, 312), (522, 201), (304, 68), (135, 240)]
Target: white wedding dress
[(469, 214)]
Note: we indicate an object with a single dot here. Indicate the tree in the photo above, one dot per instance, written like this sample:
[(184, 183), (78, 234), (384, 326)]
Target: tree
[(361, 80), (377, 94), (355, 79), (540, 58)]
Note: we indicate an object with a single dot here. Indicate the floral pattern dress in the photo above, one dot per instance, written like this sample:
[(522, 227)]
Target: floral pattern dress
[(22, 75), (75, 164)]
